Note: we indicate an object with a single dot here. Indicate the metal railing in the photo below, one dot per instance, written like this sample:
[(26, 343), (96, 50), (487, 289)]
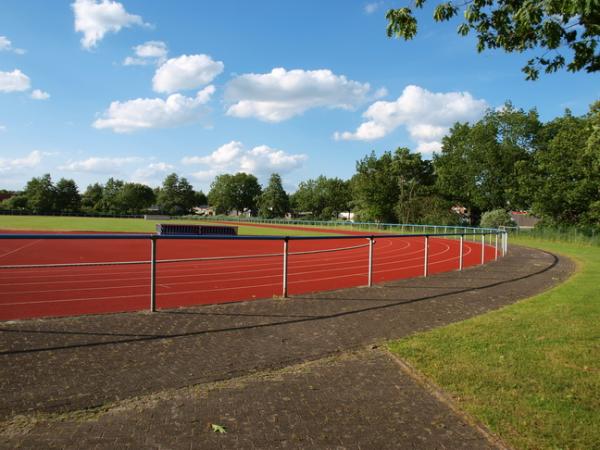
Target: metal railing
[(500, 245), (347, 224)]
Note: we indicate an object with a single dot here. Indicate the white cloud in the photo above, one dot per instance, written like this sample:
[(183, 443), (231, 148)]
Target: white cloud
[(151, 52), (30, 161), (186, 72), (2, 128), (99, 164), (95, 18), (6, 46), (148, 113), (233, 157), (149, 173), (15, 81), (370, 8), (221, 157), (426, 115), (282, 94), (38, 94)]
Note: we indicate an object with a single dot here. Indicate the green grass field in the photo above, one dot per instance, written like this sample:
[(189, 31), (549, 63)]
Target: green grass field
[(530, 371), (108, 225)]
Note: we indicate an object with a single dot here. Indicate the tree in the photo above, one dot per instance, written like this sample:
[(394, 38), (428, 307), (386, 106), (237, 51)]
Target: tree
[(274, 201), (221, 194), (200, 198), (67, 196), (496, 219), (40, 194), (415, 178), (176, 195), (18, 201), (112, 197), (518, 26), (375, 188), (564, 183), (238, 192), (481, 165), (91, 200), (136, 198), (323, 197), (390, 188)]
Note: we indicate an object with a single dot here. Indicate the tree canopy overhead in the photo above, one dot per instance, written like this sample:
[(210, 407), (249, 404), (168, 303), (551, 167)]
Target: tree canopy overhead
[(566, 31)]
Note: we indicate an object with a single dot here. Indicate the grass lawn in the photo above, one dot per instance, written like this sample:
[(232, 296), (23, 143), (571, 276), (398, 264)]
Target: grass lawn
[(108, 225), (530, 371)]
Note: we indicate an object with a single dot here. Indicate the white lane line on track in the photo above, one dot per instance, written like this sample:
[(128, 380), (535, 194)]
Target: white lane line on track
[(197, 275), (468, 248), (211, 274), (177, 260), (29, 244), (340, 261), (192, 268)]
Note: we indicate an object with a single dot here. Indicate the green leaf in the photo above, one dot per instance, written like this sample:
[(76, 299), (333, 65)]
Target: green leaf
[(218, 428)]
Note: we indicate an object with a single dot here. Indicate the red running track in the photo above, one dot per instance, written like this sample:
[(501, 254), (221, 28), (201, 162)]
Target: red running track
[(247, 270)]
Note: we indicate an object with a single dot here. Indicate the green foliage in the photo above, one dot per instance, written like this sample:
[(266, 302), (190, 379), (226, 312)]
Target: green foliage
[(238, 192), (111, 196), (217, 428), (323, 197), (396, 187), (40, 194), (558, 28), (479, 164), (16, 202), (91, 200), (528, 371), (67, 196), (563, 182), (135, 198), (274, 201), (496, 219), (176, 196)]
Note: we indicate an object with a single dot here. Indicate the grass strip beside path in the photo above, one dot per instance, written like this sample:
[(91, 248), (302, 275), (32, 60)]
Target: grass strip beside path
[(530, 371), (113, 225)]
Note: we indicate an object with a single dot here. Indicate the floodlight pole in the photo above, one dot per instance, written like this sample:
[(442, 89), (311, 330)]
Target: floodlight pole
[(284, 294), (370, 282), (153, 274), (425, 265)]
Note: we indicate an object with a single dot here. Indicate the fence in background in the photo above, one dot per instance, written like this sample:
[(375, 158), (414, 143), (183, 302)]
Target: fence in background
[(495, 240), (400, 228)]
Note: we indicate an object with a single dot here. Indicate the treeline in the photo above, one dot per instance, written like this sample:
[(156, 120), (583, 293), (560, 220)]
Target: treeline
[(41, 195), (509, 160)]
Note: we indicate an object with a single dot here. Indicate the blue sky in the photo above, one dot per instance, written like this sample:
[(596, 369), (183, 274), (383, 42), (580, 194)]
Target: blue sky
[(140, 88)]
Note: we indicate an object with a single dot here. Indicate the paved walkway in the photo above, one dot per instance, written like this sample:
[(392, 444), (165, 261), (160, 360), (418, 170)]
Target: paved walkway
[(159, 380)]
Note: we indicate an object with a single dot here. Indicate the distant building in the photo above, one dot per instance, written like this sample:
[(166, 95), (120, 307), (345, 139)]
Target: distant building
[(6, 195), (346, 216), (524, 219), (204, 210)]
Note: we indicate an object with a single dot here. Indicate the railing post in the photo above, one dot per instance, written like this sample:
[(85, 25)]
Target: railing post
[(152, 273), (370, 283), (482, 248), (496, 249), (460, 253), (425, 265), (284, 293)]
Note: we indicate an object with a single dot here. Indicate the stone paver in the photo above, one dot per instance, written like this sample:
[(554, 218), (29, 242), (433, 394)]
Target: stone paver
[(357, 400), (63, 365)]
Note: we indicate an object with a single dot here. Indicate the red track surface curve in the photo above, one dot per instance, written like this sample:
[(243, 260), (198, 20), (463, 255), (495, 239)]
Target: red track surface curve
[(245, 270)]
